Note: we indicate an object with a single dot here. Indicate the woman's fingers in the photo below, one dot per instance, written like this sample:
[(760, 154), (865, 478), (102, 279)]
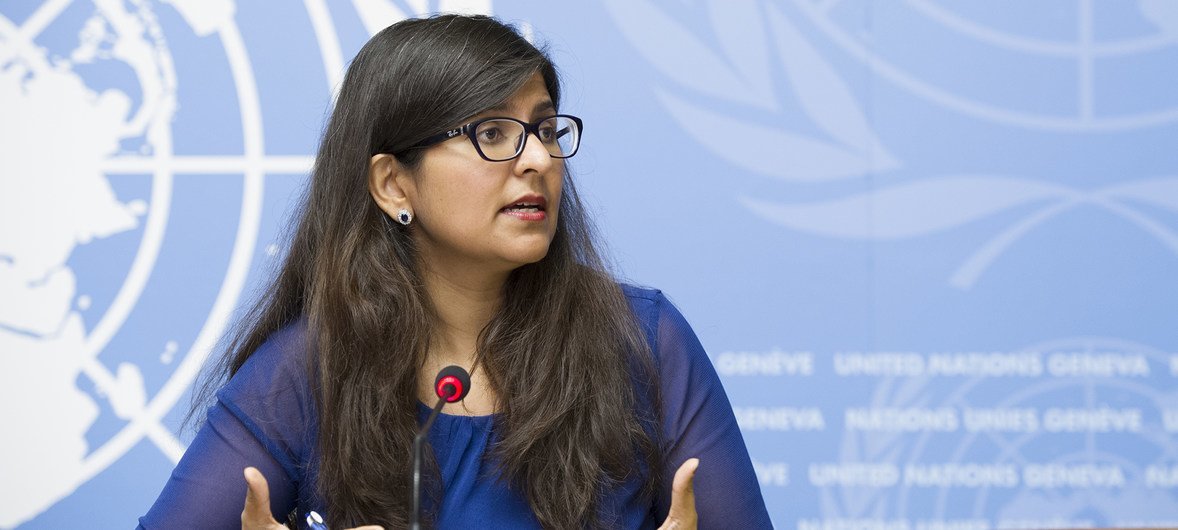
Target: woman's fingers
[(682, 515), (256, 514)]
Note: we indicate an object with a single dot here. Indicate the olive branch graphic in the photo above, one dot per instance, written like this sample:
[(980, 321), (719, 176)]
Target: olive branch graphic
[(737, 72)]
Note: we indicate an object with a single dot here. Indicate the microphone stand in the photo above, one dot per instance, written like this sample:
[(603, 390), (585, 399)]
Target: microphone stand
[(418, 442), (451, 385)]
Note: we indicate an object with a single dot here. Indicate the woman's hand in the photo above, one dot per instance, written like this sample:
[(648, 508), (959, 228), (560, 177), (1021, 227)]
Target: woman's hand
[(256, 515), (682, 515)]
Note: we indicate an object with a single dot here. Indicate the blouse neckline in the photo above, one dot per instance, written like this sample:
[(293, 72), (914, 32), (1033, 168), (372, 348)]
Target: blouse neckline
[(424, 410)]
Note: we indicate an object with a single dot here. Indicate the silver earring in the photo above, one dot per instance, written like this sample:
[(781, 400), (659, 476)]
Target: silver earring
[(404, 217)]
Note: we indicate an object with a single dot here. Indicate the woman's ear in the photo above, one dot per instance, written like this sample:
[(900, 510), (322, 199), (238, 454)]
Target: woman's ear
[(387, 183)]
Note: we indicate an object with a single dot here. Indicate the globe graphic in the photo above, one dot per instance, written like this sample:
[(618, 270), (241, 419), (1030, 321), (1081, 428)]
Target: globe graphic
[(1059, 60), (104, 350), (44, 336)]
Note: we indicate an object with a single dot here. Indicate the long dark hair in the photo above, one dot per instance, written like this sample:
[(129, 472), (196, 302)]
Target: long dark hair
[(578, 403)]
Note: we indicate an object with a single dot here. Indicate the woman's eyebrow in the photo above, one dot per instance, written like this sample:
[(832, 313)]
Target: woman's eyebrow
[(503, 108)]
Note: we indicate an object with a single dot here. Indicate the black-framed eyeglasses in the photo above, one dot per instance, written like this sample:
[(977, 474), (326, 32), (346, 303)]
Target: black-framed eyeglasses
[(499, 139)]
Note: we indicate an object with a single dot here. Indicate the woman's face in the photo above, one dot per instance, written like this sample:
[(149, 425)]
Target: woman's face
[(468, 210)]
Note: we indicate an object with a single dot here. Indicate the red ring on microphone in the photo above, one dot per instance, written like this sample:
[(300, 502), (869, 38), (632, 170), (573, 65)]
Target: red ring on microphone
[(456, 387)]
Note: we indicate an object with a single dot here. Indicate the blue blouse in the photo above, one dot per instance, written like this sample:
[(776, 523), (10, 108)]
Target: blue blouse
[(264, 417)]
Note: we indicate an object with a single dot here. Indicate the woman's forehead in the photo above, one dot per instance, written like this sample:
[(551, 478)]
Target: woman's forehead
[(531, 99)]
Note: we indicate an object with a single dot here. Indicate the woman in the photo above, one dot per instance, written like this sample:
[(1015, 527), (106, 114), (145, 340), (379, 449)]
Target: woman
[(440, 228)]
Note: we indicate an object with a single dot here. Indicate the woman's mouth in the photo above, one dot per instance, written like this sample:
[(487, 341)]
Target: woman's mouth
[(526, 211), (527, 208)]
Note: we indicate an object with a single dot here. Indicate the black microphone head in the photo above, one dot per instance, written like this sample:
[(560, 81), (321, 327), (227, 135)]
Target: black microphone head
[(452, 384)]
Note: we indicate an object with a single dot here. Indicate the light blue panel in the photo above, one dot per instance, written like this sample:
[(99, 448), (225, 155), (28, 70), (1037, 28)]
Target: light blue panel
[(929, 245)]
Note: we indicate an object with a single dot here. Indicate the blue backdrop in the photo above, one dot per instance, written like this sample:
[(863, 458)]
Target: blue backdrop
[(930, 245)]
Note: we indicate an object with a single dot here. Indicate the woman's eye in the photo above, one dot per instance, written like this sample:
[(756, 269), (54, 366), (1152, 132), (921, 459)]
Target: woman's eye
[(548, 133), (490, 134)]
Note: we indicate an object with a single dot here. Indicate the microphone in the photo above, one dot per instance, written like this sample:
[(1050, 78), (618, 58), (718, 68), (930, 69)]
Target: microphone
[(451, 385)]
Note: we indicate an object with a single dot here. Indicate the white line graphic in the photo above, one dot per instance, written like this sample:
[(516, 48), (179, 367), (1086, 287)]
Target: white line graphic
[(329, 47), (210, 164)]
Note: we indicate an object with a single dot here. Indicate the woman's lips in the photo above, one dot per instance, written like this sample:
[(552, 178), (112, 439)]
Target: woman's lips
[(525, 212), (530, 207)]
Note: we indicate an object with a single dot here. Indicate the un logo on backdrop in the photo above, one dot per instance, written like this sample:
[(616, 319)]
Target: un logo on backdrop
[(58, 134), (756, 84), (89, 94), (738, 73)]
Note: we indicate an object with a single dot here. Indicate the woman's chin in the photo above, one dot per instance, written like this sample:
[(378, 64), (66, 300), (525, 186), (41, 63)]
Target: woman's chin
[(527, 256)]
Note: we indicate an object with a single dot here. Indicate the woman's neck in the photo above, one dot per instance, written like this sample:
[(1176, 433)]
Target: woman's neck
[(464, 302)]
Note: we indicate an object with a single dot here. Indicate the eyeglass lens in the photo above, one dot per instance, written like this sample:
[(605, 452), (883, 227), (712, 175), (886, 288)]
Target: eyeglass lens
[(504, 139)]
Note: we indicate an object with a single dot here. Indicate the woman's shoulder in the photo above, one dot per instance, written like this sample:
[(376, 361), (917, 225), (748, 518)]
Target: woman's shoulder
[(652, 305), (662, 322), (658, 317), (278, 365), (643, 300), (271, 396), (637, 292), (282, 349), (646, 304)]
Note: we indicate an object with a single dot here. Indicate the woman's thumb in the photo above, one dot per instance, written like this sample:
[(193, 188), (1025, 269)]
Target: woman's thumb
[(682, 514), (257, 501)]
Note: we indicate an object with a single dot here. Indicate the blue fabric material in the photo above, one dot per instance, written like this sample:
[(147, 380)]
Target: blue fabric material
[(265, 418)]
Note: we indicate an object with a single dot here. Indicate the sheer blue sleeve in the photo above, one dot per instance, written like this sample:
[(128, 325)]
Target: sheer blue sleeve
[(698, 422), (261, 419)]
